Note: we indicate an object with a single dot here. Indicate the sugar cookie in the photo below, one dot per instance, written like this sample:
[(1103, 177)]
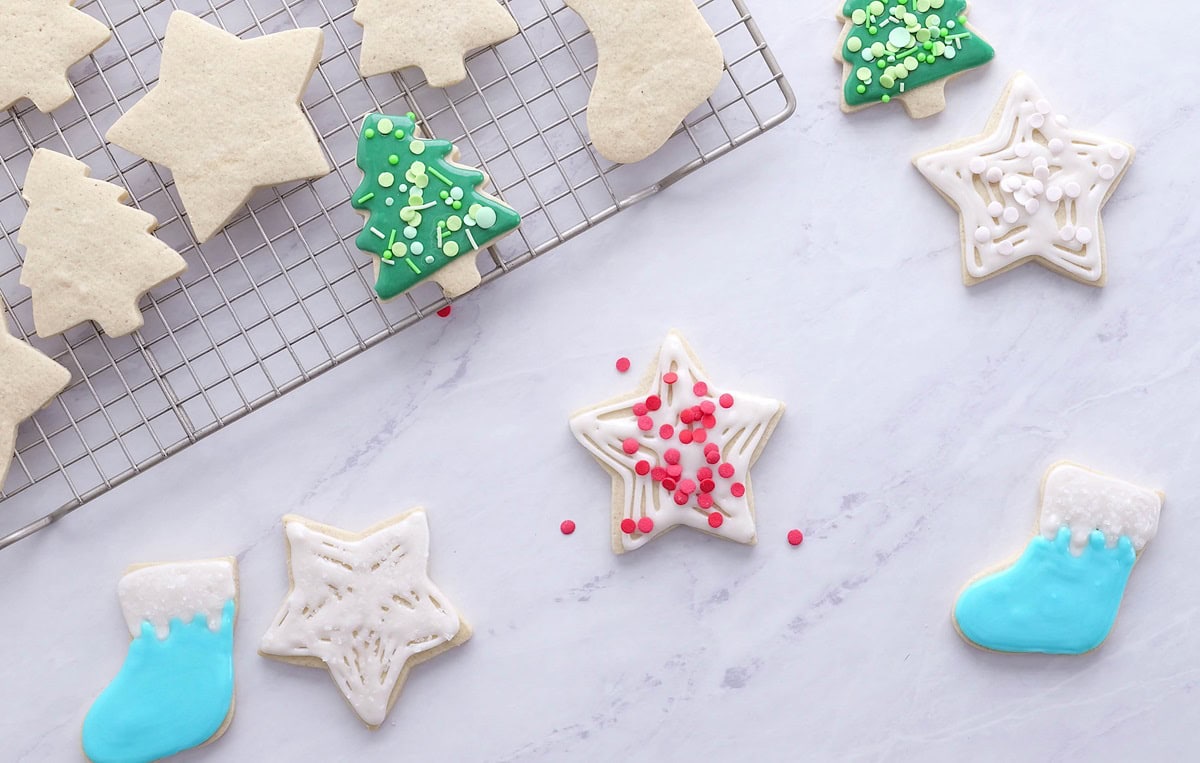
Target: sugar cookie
[(434, 35), (88, 256), (225, 117), (906, 50), (1030, 188), (425, 215), (39, 41), (175, 689), (679, 452), (28, 382), (1062, 594), (659, 60), (363, 606)]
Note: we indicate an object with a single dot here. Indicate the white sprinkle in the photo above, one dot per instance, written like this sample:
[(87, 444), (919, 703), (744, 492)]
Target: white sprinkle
[(377, 232)]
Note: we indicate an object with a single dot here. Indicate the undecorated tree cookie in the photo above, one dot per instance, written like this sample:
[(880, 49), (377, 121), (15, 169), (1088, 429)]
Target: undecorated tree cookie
[(1030, 189), (88, 256), (39, 41), (906, 50), (679, 452), (1061, 595), (28, 382), (434, 35), (658, 60), (225, 117), (362, 605), (175, 689), (426, 215)]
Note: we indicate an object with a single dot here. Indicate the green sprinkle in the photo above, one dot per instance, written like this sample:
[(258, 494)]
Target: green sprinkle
[(439, 176), (886, 98), (399, 134), (412, 265), (417, 147), (366, 198), (450, 249), (369, 133), (391, 238), (385, 125), (444, 194), (393, 160), (456, 204)]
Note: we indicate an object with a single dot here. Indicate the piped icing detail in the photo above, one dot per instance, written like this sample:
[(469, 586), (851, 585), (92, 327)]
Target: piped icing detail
[(1083, 501)]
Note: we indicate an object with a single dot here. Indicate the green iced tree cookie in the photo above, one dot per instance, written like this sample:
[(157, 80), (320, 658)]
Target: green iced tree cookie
[(426, 215), (892, 48)]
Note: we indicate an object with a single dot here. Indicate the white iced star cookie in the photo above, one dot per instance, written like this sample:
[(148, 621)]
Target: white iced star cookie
[(363, 606), (1030, 188), (28, 382), (679, 452), (225, 117), (39, 41)]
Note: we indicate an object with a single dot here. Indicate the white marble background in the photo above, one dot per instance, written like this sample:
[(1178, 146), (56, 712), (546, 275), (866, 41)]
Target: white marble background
[(813, 265)]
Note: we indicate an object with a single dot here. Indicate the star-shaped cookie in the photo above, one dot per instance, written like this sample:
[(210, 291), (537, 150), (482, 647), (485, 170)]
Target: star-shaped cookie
[(363, 606), (28, 382), (434, 35), (1030, 188), (39, 41), (225, 117), (679, 452)]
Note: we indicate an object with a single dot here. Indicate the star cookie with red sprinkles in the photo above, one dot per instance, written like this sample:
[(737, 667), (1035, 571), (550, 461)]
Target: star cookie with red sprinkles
[(679, 452)]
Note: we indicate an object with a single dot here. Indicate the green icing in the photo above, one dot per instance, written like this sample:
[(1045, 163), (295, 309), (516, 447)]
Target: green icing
[(900, 45), (423, 210)]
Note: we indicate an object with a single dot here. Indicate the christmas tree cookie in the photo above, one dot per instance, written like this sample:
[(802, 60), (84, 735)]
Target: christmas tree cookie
[(28, 382), (427, 216), (175, 689), (39, 41), (679, 452), (362, 605), (1030, 189), (434, 35), (88, 256), (1061, 595), (658, 61), (906, 50)]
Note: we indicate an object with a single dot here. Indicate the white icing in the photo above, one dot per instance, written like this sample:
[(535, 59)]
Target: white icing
[(1023, 168), (363, 607), (739, 435), (1084, 501), (162, 592)]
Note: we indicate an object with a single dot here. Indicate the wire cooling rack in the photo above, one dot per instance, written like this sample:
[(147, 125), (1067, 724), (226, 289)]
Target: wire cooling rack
[(282, 295)]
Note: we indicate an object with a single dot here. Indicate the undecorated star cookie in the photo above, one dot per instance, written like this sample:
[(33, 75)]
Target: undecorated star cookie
[(1031, 188), (362, 605), (225, 117), (679, 452), (175, 690), (434, 35), (906, 50), (39, 41), (658, 60), (88, 256), (28, 382), (1061, 595), (426, 215)]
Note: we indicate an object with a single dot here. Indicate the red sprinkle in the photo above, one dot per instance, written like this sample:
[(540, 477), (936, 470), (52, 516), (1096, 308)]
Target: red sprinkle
[(674, 471), (628, 526), (666, 431), (716, 519), (681, 498), (654, 402), (686, 416), (445, 311), (630, 446), (726, 400), (725, 470), (687, 486), (658, 474), (645, 423), (671, 456), (640, 409), (708, 406), (705, 500), (668, 484), (700, 435), (567, 527), (645, 524), (622, 364), (737, 489), (686, 436), (670, 377), (704, 473), (707, 486), (795, 537), (712, 456), (709, 421), (700, 389), (642, 468)]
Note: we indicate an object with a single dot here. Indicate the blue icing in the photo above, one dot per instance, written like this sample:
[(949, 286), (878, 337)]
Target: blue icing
[(1050, 600), (171, 695)]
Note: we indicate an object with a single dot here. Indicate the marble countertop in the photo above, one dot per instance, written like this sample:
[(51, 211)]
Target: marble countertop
[(813, 265)]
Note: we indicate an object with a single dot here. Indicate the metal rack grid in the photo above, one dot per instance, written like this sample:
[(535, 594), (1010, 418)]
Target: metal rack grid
[(282, 295)]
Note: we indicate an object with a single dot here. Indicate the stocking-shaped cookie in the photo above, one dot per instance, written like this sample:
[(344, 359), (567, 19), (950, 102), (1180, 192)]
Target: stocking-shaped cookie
[(89, 256), (659, 60), (431, 34)]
